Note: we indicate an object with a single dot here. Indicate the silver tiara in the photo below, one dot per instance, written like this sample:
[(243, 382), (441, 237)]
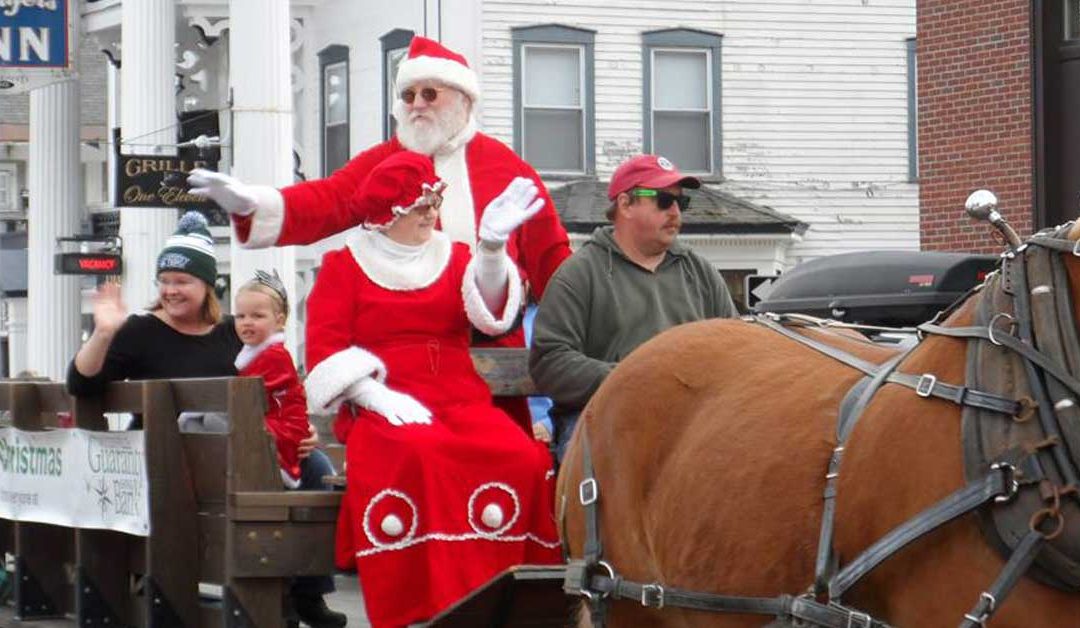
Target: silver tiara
[(274, 283)]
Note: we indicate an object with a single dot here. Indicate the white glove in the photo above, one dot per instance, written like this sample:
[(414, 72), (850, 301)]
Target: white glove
[(397, 408), (509, 210), (228, 192)]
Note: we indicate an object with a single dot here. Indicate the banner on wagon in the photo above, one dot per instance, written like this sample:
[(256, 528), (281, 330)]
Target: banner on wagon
[(37, 43), (75, 478)]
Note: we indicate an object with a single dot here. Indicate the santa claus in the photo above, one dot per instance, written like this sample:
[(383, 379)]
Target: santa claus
[(437, 98)]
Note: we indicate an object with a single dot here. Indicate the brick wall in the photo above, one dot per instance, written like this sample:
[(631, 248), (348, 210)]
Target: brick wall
[(975, 117)]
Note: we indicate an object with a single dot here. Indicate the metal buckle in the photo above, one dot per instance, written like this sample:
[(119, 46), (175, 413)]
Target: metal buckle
[(1012, 484), (991, 604), (864, 620), (588, 491), (925, 385), (657, 599)]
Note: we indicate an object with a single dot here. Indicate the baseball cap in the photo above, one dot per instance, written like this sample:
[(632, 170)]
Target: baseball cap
[(648, 171)]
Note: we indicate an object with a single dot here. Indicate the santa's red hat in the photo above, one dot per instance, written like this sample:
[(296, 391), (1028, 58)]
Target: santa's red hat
[(395, 187), (430, 60)]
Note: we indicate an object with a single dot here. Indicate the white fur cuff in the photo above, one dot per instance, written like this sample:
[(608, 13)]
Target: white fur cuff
[(477, 311), (268, 218), (327, 382)]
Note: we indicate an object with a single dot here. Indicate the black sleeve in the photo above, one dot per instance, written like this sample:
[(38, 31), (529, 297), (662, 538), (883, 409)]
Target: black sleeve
[(121, 361)]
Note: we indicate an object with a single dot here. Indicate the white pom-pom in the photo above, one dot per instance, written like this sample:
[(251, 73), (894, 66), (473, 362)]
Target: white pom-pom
[(492, 516), (192, 221), (392, 525)]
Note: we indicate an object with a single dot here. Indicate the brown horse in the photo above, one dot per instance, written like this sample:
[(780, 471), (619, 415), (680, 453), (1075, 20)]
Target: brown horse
[(710, 445)]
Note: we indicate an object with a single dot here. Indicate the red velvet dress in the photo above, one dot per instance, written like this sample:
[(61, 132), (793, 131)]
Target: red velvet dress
[(317, 209), (431, 511)]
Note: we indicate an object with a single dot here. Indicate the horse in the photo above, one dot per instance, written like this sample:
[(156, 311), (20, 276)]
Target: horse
[(708, 449)]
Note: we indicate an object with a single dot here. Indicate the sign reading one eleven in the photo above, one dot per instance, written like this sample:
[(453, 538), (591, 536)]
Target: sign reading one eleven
[(37, 43)]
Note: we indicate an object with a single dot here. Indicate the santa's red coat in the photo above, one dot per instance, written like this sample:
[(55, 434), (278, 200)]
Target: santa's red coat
[(431, 511), (318, 209), (286, 405)]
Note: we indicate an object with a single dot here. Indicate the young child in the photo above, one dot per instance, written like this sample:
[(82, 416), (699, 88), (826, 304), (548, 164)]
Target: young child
[(261, 310)]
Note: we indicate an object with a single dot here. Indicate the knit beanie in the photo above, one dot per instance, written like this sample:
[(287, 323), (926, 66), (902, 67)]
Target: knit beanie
[(190, 250)]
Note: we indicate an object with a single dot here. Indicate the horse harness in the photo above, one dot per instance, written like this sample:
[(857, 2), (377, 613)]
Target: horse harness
[(1021, 443)]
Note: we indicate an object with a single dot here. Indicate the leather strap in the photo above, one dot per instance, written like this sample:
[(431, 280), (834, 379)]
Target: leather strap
[(825, 564), (1019, 562), (928, 385), (800, 608), (1000, 483)]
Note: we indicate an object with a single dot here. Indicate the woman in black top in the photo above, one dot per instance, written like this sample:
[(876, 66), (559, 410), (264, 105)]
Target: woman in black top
[(184, 335)]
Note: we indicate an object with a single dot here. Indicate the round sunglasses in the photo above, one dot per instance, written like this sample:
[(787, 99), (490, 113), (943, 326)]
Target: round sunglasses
[(429, 94)]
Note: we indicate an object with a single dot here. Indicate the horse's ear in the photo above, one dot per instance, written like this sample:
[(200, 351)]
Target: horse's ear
[(1074, 232)]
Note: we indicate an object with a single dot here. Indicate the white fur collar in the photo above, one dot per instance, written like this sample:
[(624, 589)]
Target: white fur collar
[(249, 353), (399, 267)]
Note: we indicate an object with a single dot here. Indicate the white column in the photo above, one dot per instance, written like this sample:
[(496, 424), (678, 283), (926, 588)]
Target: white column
[(16, 336), (147, 126), (56, 195), (260, 71)]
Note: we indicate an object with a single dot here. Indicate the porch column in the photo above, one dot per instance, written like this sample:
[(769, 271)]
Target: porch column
[(260, 75), (148, 125), (56, 193)]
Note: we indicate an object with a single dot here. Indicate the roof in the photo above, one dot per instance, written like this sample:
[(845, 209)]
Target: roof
[(13, 264), (582, 205)]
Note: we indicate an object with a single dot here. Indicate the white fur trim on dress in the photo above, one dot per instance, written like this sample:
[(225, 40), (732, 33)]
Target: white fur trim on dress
[(393, 274), (288, 480), (445, 71), (477, 311), (268, 218), (327, 382), (249, 353)]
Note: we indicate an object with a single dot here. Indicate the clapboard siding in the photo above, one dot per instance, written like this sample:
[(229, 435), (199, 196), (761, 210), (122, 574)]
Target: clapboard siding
[(814, 102)]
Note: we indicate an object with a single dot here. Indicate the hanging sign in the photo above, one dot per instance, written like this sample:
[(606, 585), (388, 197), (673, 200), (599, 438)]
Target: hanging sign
[(157, 181), (88, 264), (37, 43), (75, 478)]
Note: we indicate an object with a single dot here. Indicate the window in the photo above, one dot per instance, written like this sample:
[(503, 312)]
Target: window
[(395, 45), (1072, 19), (735, 278), (682, 98), (334, 92), (912, 111), (554, 107), (9, 197)]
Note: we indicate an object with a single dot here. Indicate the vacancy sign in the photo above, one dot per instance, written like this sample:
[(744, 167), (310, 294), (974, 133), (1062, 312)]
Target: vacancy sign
[(37, 42)]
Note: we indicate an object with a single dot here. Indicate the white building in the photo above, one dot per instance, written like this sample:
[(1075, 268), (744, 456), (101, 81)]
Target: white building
[(801, 106)]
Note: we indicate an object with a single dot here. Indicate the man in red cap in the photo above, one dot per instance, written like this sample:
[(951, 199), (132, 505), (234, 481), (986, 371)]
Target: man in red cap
[(629, 282), (435, 111)]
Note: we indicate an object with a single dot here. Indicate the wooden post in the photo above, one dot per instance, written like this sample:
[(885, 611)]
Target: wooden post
[(101, 556), (253, 466), (43, 553), (171, 583)]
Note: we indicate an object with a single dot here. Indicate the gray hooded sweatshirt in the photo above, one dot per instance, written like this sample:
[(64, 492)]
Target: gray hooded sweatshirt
[(599, 306)]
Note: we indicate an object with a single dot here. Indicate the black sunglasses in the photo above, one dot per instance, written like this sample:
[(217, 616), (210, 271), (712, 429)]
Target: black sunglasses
[(429, 94), (664, 199)]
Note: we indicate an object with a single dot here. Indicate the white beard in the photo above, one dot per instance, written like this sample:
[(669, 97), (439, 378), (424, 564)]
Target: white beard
[(428, 136)]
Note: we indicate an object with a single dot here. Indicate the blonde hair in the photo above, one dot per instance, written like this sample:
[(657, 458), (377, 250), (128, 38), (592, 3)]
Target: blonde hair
[(210, 313), (254, 285)]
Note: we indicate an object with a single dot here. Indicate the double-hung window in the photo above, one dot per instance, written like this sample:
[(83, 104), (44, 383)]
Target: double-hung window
[(334, 90), (395, 46), (682, 98), (554, 126)]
